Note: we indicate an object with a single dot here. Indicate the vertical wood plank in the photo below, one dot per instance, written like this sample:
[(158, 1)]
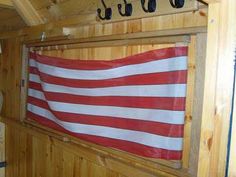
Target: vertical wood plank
[(10, 74), (110, 173), (29, 155), (189, 101), (68, 164), (22, 154), (57, 163), (208, 111), (197, 104)]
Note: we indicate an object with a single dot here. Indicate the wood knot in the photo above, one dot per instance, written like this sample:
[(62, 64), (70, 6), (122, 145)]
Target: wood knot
[(188, 118), (203, 14), (208, 139), (209, 143)]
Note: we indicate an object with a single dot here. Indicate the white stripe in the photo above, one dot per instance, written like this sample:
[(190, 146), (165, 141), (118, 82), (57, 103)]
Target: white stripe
[(168, 90), (165, 65), (34, 78), (36, 94), (143, 138), (164, 116)]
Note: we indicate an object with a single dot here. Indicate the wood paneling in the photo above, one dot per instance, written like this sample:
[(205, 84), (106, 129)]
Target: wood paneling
[(32, 153), (87, 26), (10, 60)]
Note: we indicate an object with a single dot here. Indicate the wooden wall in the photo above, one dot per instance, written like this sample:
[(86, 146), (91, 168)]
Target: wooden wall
[(32, 153)]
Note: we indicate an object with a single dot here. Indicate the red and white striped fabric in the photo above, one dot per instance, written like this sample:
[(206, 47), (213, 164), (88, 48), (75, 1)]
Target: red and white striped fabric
[(135, 104)]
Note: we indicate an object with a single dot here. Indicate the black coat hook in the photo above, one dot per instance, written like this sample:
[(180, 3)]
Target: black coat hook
[(128, 9), (108, 12), (152, 5), (177, 3)]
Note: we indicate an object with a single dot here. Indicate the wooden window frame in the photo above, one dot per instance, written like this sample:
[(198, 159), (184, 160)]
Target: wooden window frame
[(194, 96)]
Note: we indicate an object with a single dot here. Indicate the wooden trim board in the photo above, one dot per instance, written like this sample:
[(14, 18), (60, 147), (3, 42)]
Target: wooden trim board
[(24, 82), (198, 99), (113, 43), (139, 35)]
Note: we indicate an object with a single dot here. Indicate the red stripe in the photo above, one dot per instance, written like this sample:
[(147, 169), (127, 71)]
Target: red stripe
[(165, 103), (131, 147), (174, 77), (163, 129), (104, 64)]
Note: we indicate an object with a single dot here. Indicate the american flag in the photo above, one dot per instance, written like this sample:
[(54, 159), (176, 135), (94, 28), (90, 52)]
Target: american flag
[(135, 104)]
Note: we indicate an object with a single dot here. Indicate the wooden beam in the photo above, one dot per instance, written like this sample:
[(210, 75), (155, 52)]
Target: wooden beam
[(28, 12), (6, 4), (231, 38), (200, 54), (209, 87)]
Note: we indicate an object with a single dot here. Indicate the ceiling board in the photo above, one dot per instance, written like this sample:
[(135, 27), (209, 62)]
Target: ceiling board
[(28, 12), (6, 4), (10, 20), (40, 4)]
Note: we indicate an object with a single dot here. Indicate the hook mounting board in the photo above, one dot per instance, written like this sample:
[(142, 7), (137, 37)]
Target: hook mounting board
[(163, 8)]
